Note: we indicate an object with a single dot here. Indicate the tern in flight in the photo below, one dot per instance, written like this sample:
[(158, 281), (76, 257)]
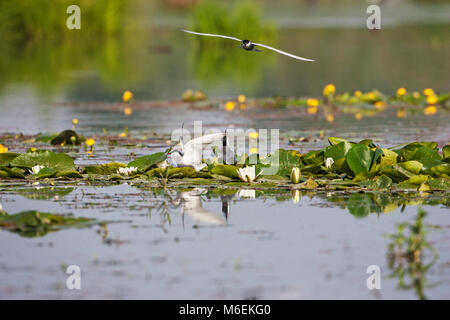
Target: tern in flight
[(247, 44)]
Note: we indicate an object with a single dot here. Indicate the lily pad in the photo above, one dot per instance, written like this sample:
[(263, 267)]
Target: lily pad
[(35, 223), (48, 159), (104, 169), (144, 163), (7, 157)]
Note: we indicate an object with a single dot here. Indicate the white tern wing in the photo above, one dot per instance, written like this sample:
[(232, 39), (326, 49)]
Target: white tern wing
[(211, 35), (282, 52)]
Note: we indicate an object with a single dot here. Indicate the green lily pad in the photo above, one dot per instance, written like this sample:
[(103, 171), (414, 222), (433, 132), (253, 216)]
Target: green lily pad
[(226, 170), (66, 137), (144, 163), (439, 184), (104, 169), (37, 224), (389, 158), (446, 151), (412, 166), (360, 158), (48, 159), (7, 157)]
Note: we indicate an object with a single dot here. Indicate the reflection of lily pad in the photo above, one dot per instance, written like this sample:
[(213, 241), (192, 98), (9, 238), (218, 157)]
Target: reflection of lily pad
[(36, 224), (43, 193)]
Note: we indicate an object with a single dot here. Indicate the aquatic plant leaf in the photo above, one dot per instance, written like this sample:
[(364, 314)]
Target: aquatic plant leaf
[(336, 140), (287, 159), (446, 151), (309, 184), (48, 159), (439, 184), (360, 158), (104, 169), (7, 157), (226, 170), (44, 173), (428, 157), (412, 166), (35, 223), (3, 174), (144, 163), (389, 158), (381, 183), (397, 173), (442, 169), (418, 179), (337, 151), (66, 137), (14, 172), (68, 174)]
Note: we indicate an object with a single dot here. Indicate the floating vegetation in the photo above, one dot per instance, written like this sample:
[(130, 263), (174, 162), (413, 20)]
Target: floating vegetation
[(37, 224), (343, 165)]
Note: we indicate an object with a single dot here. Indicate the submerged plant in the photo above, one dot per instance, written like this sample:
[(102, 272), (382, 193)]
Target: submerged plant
[(407, 253)]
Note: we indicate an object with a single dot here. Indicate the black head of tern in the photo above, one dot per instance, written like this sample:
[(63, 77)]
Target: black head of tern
[(247, 44)]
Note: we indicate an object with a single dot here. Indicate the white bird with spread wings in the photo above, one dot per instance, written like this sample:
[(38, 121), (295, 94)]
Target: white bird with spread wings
[(248, 45)]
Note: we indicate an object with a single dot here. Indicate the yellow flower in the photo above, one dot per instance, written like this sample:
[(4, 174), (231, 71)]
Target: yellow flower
[(358, 116), (428, 92), (329, 117), (122, 135), (358, 93), (312, 110), (329, 90), (127, 111), (74, 121), (243, 106), (401, 113), (188, 95), (401, 92), (33, 149), (3, 149), (229, 106), (432, 100), (380, 105), (127, 96), (312, 102), (253, 150), (241, 98), (253, 135), (200, 95), (90, 142), (371, 95), (430, 110)]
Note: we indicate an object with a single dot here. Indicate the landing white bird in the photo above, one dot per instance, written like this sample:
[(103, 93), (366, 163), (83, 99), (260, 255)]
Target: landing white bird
[(191, 153), (248, 45)]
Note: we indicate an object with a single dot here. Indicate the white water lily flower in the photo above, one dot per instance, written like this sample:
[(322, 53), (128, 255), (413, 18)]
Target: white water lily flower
[(247, 174), (127, 170), (295, 175), (36, 169), (329, 162)]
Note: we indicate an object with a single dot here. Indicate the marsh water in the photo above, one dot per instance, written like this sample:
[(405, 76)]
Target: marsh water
[(203, 244)]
